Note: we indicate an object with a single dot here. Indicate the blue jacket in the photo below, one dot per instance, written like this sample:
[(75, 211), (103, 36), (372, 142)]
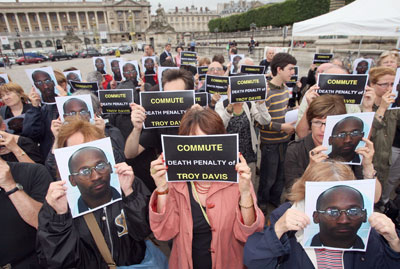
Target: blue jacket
[(265, 250)]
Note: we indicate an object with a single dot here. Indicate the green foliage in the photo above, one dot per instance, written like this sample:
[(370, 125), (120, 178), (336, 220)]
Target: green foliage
[(280, 14), (348, 1)]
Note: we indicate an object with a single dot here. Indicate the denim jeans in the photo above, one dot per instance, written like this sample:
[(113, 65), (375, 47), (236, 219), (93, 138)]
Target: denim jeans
[(272, 176)]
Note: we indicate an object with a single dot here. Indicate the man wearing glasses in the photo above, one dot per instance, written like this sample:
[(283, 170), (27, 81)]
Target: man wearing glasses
[(45, 84), (115, 69), (75, 106), (339, 213), (346, 134), (129, 72), (91, 172), (99, 64)]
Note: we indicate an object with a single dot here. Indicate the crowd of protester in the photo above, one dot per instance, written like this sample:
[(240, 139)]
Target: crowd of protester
[(207, 224)]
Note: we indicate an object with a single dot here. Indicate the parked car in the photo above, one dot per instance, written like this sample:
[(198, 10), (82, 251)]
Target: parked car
[(58, 55), (29, 60), (35, 55), (77, 54), (125, 49), (90, 53)]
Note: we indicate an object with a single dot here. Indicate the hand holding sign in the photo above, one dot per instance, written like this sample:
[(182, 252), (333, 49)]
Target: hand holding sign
[(34, 97), (158, 170), (125, 177), (311, 94), (138, 115), (317, 155), (387, 100), (292, 220), (57, 197), (55, 126), (385, 227), (244, 176), (369, 99), (367, 152)]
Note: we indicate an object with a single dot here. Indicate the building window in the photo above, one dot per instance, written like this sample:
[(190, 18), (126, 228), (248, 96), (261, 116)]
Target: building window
[(49, 43), (46, 28), (16, 29), (37, 28), (121, 27), (17, 45), (26, 29), (23, 17), (82, 16), (27, 44), (119, 13), (12, 17), (192, 18), (2, 18), (176, 18), (34, 17), (5, 30), (54, 17), (38, 44), (56, 28)]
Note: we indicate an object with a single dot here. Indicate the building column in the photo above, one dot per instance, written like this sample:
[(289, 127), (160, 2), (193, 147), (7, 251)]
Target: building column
[(97, 19), (29, 22), (49, 21), (68, 18), (39, 21), (59, 22), (87, 20), (79, 21), (18, 24), (125, 22), (7, 24), (106, 20)]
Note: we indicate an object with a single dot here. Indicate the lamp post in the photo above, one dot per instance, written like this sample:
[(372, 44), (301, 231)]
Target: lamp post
[(84, 41), (132, 28), (20, 45), (253, 27), (216, 36), (95, 33)]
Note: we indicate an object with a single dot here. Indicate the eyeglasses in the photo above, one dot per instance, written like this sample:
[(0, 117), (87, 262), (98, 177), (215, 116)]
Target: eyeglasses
[(115, 68), (318, 124), (351, 213), (130, 72), (213, 69), (40, 82), (73, 113), (351, 134), (87, 171), (385, 85)]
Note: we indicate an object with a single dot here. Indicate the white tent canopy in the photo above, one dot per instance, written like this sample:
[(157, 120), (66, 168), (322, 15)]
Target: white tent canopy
[(360, 18)]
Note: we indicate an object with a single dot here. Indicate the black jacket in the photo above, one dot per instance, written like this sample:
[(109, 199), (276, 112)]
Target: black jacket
[(64, 242)]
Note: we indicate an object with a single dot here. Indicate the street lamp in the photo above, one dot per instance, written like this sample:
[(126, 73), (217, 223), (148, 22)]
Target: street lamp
[(84, 41), (132, 28), (253, 27), (95, 33), (20, 45), (216, 36)]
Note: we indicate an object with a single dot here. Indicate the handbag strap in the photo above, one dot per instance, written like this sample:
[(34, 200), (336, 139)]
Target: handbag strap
[(99, 239)]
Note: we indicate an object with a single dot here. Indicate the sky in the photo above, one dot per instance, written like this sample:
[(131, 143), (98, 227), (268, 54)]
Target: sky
[(167, 4)]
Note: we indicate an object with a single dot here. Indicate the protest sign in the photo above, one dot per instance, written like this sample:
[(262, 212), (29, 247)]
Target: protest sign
[(99, 64), (235, 59), (91, 86), (395, 91), (4, 79), (188, 58), (76, 165), (129, 70), (343, 135), (217, 84), (248, 88), (202, 71), (74, 75), (149, 64), (165, 109), (361, 66), (320, 58), (294, 78), (70, 106), (15, 124), (114, 64), (351, 87), (252, 69), (201, 158), (201, 98), (116, 101), (325, 205), (44, 81)]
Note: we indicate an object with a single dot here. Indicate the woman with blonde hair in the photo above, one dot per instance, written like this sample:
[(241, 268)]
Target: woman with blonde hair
[(278, 245), (389, 59), (15, 100)]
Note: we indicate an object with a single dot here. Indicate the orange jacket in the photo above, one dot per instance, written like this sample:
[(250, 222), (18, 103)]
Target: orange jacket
[(228, 231)]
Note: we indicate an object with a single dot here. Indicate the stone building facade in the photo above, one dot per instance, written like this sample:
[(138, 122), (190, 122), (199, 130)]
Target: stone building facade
[(43, 25)]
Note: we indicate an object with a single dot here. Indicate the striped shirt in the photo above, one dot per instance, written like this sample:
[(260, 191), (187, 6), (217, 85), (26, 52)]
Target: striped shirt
[(276, 102), (329, 258)]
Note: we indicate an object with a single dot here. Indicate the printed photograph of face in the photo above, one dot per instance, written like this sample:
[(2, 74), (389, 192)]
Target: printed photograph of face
[(72, 106), (343, 135), (115, 68), (3, 79), (395, 90), (99, 64), (89, 174), (129, 70), (338, 214), (161, 70), (44, 81), (235, 59), (361, 66), (73, 75), (14, 125), (149, 65)]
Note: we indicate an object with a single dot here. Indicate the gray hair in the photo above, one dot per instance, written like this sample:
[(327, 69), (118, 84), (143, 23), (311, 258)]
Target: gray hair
[(95, 76), (244, 60)]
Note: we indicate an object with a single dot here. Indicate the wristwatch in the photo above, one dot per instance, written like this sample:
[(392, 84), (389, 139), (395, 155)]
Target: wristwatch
[(18, 187)]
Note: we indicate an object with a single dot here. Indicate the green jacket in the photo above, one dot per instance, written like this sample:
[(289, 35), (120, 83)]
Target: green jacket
[(382, 136)]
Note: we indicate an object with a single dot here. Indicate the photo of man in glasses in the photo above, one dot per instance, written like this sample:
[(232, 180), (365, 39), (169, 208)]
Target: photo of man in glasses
[(116, 70), (339, 213), (90, 171), (129, 72), (75, 106), (345, 137), (45, 84)]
